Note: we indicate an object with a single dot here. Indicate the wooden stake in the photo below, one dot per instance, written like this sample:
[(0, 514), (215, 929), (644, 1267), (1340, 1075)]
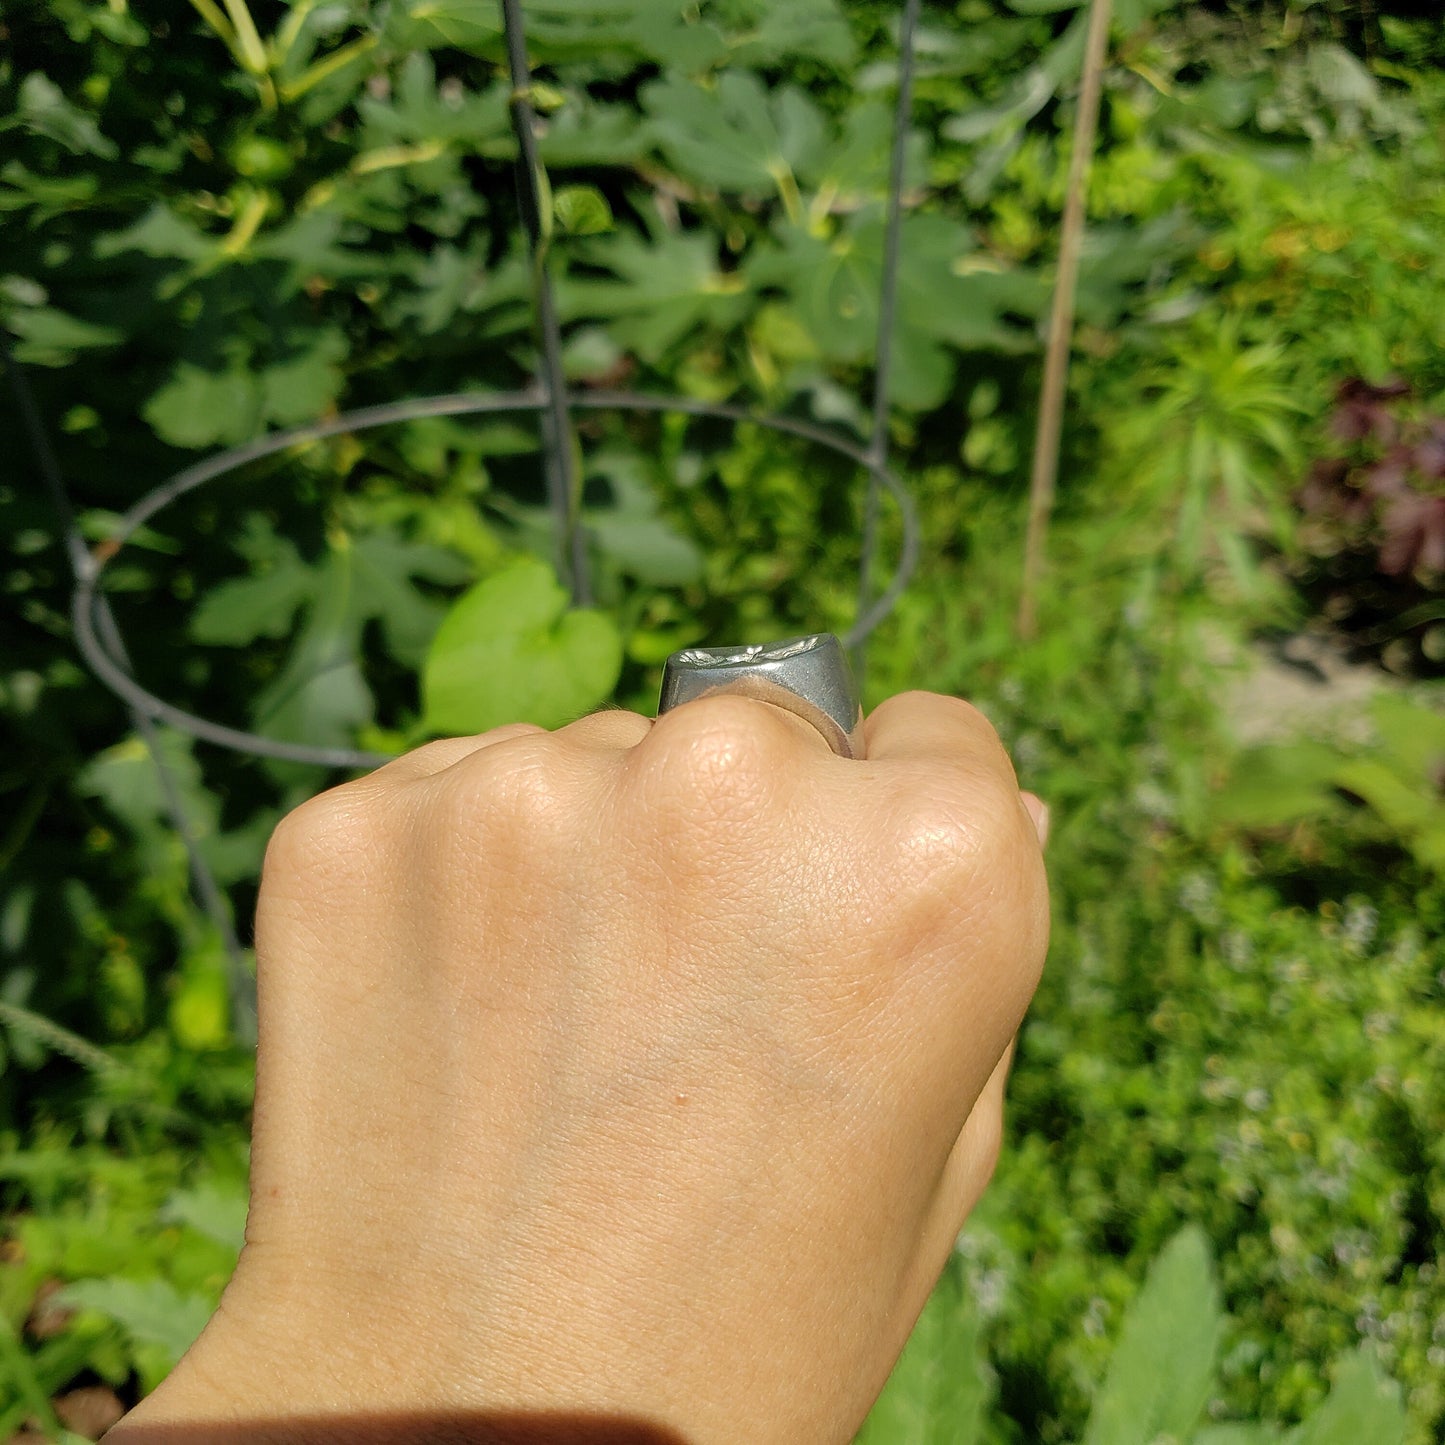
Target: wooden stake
[(1044, 475)]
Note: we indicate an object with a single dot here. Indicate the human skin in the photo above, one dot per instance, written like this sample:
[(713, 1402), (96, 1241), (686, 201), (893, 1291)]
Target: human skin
[(635, 1077)]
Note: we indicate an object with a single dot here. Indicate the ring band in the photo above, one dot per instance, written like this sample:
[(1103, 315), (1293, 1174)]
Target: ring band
[(808, 676)]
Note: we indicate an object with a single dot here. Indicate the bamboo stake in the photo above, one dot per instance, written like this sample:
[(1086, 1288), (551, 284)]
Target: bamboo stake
[(1047, 437)]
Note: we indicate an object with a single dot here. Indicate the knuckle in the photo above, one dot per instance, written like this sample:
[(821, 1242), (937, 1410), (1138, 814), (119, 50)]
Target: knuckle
[(515, 785), (321, 835), (949, 821), (721, 746)]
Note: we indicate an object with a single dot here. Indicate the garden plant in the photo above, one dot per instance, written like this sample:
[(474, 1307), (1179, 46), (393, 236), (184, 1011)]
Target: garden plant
[(1220, 1213)]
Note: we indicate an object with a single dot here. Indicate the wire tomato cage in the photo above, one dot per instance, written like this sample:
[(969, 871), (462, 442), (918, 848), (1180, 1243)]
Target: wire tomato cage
[(102, 643)]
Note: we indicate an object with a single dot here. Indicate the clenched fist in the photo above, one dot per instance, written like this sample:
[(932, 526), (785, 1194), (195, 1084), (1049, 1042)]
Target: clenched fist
[(635, 1077)]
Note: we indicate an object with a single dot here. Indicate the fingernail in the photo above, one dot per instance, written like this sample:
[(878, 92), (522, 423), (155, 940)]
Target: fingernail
[(1038, 810)]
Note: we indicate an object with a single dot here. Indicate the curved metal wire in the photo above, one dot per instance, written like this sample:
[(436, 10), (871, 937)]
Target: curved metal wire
[(112, 667), (555, 403), (240, 982)]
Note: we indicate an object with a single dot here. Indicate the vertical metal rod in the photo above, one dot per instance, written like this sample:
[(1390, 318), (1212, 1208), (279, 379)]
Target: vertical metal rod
[(1052, 395), (887, 306), (240, 983), (560, 461)]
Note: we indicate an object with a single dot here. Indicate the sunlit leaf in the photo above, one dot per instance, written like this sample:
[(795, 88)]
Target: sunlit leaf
[(1160, 1372), (511, 651)]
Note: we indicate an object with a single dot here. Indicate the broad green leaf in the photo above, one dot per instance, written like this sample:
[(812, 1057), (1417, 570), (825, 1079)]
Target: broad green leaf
[(665, 290), (210, 1209), (511, 651), (589, 132), (1363, 1405), (581, 211), (761, 32), (320, 696), (943, 306), (299, 387), (199, 408), (200, 1008), (43, 109), (942, 1387), (261, 605), (648, 548), (1271, 786), (417, 110), (151, 1311), (856, 164), (125, 778), (1413, 735), (384, 566), (48, 337), (736, 135), (159, 233), (1399, 799), (630, 532), (1163, 1364)]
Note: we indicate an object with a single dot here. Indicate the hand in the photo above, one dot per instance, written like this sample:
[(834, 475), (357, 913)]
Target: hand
[(637, 1072)]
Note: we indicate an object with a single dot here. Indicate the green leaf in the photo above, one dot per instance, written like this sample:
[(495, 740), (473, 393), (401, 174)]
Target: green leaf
[(43, 110), (1160, 1373), (300, 387), (665, 290), (736, 135), (1413, 735), (417, 110), (582, 211), (161, 234), (384, 566), (320, 695), (151, 1311), (48, 337), (1363, 1405), (944, 307), (648, 548), (200, 1008), (1399, 799), (631, 534), (510, 651), (198, 408), (942, 1387), (125, 778), (212, 1210), (1272, 786), (667, 31), (263, 605), (771, 32)]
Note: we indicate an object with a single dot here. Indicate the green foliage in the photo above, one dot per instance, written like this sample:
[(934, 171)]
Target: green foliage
[(1161, 1372), (1161, 1369), (1398, 777), (942, 1389), (222, 223), (510, 651)]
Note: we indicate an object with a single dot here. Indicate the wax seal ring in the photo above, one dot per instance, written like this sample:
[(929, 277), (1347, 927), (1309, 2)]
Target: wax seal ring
[(808, 676)]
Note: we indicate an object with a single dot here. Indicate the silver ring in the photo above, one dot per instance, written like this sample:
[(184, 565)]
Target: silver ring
[(808, 676)]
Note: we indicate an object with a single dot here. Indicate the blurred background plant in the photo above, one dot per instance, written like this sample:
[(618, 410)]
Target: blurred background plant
[(221, 220)]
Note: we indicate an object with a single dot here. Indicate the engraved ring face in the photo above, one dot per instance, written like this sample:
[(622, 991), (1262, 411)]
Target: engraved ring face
[(808, 676)]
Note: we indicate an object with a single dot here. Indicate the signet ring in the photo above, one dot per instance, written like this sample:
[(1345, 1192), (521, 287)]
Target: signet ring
[(808, 676)]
